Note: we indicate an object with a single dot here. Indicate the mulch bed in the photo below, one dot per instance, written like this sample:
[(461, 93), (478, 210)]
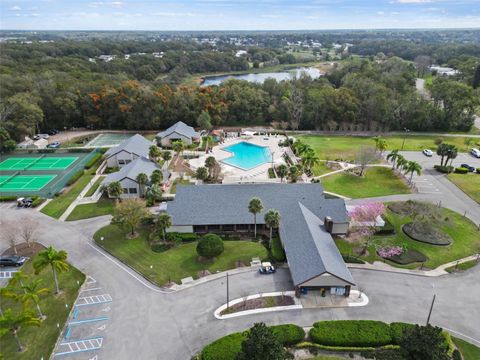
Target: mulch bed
[(260, 303), (24, 250), (426, 233)]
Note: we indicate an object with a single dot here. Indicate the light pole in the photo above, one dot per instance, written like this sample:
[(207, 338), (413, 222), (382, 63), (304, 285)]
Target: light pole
[(405, 136), (228, 300), (431, 305)]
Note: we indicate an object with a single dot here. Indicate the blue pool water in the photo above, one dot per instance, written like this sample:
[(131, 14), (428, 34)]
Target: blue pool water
[(247, 156)]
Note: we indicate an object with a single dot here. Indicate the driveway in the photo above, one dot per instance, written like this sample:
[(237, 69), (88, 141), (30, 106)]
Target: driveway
[(145, 323)]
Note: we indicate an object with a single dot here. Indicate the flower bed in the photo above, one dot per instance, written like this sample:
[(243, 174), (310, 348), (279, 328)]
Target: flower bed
[(260, 303)]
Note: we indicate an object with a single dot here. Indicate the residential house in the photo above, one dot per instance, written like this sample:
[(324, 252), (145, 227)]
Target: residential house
[(176, 132), (129, 150)]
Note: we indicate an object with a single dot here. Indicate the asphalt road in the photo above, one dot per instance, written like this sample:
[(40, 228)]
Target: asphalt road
[(145, 323)]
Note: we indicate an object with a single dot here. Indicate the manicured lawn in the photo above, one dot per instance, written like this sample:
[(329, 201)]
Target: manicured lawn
[(321, 169), (463, 266), (377, 181), (464, 233), (41, 340), (345, 147), (469, 351), (103, 206), (95, 186), (58, 205), (176, 263), (469, 183)]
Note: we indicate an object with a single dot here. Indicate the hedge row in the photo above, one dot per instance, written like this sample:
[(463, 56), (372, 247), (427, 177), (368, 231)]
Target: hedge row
[(461, 170), (38, 201), (75, 177), (357, 333), (93, 160), (444, 169), (277, 250), (8, 198), (308, 344), (288, 334), (176, 237)]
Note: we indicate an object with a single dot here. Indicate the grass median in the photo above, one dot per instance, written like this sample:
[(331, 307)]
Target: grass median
[(176, 263), (103, 206), (468, 183)]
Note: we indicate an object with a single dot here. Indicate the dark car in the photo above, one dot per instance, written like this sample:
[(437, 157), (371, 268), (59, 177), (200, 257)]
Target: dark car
[(53, 132), (12, 260), (470, 168)]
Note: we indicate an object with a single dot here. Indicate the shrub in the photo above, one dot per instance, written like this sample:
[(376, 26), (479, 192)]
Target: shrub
[(93, 160), (173, 237), (75, 177), (288, 334), (210, 245), (271, 173), (408, 257), (277, 251), (361, 333), (39, 200), (443, 169), (461, 170), (158, 248), (352, 259), (388, 229), (478, 170), (46, 151), (8, 198), (225, 348), (398, 329), (188, 237)]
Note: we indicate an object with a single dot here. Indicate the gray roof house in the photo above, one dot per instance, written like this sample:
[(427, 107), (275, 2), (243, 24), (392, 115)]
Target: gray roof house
[(308, 221), (178, 131), (127, 151), (127, 176)]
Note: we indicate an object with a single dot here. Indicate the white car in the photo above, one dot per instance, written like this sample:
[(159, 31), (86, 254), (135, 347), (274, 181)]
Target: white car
[(475, 152), (427, 152)]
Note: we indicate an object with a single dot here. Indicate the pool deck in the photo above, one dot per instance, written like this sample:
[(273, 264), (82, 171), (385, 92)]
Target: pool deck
[(235, 174)]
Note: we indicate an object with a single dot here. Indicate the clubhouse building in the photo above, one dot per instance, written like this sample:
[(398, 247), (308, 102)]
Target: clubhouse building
[(308, 221)]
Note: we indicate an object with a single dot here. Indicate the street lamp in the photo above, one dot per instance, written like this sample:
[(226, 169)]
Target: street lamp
[(431, 305), (405, 136)]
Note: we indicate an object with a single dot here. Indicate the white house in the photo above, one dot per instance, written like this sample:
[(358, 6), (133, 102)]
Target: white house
[(176, 132), (33, 144), (127, 176), (129, 150)]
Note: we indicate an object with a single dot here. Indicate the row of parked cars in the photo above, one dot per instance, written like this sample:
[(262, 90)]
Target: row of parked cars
[(474, 152), (12, 260)]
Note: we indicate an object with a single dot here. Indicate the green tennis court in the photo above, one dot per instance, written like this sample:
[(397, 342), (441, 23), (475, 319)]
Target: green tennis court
[(37, 163), (24, 182)]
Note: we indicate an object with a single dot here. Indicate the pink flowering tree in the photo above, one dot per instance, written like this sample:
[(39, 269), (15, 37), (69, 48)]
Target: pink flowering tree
[(365, 216), (388, 252)]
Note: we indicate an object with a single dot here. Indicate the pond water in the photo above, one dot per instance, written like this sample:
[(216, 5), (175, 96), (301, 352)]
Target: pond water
[(314, 73)]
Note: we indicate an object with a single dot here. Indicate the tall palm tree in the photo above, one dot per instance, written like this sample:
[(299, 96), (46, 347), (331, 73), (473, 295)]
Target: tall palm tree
[(33, 293), (380, 144), (393, 156), (272, 221), (411, 168), (57, 260), (178, 147), (12, 322), (154, 152), (255, 207), (282, 171), (154, 192), (142, 180), (442, 151), (401, 162), (163, 222), (210, 163), (156, 177), (293, 173), (166, 156), (452, 153), (18, 278), (309, 160)]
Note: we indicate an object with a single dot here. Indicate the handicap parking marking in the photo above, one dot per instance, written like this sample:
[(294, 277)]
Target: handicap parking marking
[(85, 321), (77, 346), (91, 289), (7, 274), (93, 300)]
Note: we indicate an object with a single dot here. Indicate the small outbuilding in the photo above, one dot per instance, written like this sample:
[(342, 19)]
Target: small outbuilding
[(178, 131)]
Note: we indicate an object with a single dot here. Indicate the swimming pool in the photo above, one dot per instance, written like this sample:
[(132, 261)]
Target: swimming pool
[(247, 156)]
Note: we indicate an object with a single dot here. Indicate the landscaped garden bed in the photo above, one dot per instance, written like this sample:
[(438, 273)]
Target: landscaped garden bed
[(259, 303), (427, 233)]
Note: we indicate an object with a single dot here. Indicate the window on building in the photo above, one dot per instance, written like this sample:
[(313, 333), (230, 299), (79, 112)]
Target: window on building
[(125, 191), (227, 227), (128, 161), (242, 227), (133, 190), (121, 162), (213, 227)]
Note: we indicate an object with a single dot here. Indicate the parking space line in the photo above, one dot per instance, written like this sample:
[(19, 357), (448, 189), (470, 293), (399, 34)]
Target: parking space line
[(92, 289), (93, 300), (80, 346), (88, 320)]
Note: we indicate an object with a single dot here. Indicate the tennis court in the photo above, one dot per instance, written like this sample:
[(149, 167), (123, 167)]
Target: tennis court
[(108, 140), (37, 163), (16, 183)]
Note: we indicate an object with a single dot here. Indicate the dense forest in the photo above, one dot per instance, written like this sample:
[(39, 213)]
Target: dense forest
[(63, 84)]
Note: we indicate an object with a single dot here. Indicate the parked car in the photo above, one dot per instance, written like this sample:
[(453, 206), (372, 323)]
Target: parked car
[(266, 268), (475, 152), (54, 145), (24, 202), (427, 152), (53, 132), (13, 260), (470, 168), (41, 136)]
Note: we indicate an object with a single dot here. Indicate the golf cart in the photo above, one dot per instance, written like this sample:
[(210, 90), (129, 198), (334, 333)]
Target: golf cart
[(24, 202), (266, 268)]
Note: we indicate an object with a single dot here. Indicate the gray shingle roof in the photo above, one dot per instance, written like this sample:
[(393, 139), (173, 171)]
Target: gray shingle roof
[(180, 128), (310, 250), (137, 166), (136, 144)]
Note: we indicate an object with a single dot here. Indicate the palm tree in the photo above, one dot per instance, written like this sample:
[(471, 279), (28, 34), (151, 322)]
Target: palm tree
[(210, 163), (154, 192), (6, 293), (13, 322), (33, 293), (57, 260), (380, 144), (201, 173), (154, 152), (401, 163), (282, 171), (293, 173), (452, 153), (142, 180), (166, 156), (115, 189), (413, 167), (163, 222), (156, 177), (393, 156), (300, 148), (18, 278), (442, 151), (309, 160), (255, 207), (272, 221), (178, 147)]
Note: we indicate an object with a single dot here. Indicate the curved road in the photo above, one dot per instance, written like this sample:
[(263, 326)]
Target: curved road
[(145, 323)]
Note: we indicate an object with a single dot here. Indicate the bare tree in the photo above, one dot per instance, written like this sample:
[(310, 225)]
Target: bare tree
[(9, 234), (294, 103), (27, 229), (422, 63), (365, 156)]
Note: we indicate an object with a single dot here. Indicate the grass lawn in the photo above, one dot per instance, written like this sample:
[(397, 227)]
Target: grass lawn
[(469, 183), (95, 186), (464, 233), (40, 341), (58, 205), (345, 147), (377, 181), (103, 206), (176, 263), (469, 351), (463, 266), (321, 169)]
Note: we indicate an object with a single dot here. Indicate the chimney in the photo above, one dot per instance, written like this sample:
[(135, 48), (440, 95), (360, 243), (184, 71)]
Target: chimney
[(328, 223)]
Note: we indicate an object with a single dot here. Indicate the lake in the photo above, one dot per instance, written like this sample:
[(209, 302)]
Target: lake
[(314, 73)]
